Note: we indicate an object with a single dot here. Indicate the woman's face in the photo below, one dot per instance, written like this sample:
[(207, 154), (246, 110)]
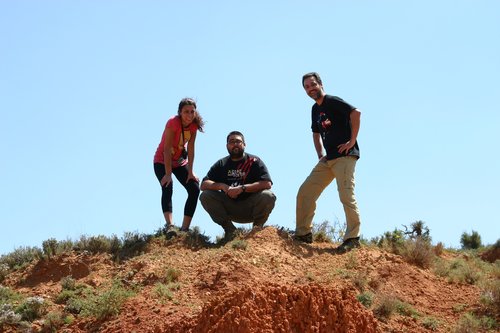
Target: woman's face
[(187, 114)]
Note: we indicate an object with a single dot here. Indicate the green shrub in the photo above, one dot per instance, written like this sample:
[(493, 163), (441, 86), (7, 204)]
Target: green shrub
[(470, 241), (366, 299), (64, 296), (53, 321), (32, 308), (468, 323), (49, 247), (430, 323), (105, 303), (21, 257), (68, 283)]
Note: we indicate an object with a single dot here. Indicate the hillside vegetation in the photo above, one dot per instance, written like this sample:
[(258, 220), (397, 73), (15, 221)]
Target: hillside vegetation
[(262, 281)]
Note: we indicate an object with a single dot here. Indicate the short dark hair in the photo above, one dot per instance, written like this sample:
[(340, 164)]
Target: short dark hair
[(235, 133), (311, 74)]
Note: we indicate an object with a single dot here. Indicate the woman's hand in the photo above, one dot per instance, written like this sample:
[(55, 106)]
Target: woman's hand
[(191, 175)]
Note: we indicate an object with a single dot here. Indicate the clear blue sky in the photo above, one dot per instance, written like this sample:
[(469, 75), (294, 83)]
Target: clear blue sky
[(87, 86)]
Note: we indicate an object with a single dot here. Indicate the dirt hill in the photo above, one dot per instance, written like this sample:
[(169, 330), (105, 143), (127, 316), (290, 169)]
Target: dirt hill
[(264, 282)]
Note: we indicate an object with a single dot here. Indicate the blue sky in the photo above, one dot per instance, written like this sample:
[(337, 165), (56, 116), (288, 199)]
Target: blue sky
[(87, 86)]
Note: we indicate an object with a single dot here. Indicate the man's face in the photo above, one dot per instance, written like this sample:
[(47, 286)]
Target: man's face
[(313, 88), (235, 146)]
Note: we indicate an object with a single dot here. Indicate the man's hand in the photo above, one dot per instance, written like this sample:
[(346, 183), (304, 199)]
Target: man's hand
[(234, 192), (345, 147)]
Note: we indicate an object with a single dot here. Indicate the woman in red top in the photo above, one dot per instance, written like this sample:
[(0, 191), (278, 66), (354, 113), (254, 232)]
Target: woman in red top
[(172, 156)]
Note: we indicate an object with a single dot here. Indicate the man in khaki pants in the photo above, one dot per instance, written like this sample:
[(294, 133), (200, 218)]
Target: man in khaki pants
[(335, 127)]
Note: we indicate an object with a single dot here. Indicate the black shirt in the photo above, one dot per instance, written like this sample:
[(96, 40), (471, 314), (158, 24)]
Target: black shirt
[(248, 170), (332, 119)]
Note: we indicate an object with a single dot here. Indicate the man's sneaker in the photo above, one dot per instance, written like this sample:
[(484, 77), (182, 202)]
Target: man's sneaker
[(348, 245), (307, 238)]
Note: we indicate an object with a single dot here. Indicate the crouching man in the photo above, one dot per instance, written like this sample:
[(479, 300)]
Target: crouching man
[(237, 188)]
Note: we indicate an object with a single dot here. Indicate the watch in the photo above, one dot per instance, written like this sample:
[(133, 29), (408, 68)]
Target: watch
[(244, 188)]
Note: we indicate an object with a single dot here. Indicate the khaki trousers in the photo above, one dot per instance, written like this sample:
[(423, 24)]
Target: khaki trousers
[(341, 169)]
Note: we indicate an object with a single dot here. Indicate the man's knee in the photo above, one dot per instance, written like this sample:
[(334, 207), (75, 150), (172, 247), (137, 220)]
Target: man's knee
[(208, 199)]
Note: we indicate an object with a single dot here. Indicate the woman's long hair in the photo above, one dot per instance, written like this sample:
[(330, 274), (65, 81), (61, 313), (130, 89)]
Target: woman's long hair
[(198, 120)]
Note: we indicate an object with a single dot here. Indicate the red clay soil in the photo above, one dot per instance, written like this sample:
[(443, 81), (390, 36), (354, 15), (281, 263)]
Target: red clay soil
[(265, 283)]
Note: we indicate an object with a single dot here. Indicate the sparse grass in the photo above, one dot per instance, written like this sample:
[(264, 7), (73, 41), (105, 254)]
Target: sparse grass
[(366, 298), (430, 323), (172, 275), (460, 270), (469, 323), (352, 260), (164, 291), (490, 295), (385, 307), (439, 249), (360, 280), (8, 296), (406, 309), (458, 308), (105, 303), (239, 244)]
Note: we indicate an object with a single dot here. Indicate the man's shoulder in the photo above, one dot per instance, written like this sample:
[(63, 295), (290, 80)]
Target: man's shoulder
[(222, 161), (335, 101)]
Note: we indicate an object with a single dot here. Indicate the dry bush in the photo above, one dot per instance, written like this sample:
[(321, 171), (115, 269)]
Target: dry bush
[(418, 252), (439, 249)]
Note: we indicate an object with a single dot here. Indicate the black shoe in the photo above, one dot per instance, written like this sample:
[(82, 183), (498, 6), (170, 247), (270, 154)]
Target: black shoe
[(348, 245), (307, 238), (170, 231), (230, 234)]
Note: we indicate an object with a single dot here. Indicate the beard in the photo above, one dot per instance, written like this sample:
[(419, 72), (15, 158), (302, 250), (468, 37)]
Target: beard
[(236, 153), (315, 94)]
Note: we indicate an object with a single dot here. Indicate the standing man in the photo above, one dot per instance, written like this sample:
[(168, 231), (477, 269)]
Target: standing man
[(237, 188), (335, 127)]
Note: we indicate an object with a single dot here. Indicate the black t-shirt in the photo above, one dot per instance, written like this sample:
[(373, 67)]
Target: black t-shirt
[(332, 119), (248, 170)]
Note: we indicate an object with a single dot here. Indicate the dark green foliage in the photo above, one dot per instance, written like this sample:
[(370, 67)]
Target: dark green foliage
[(49, 247), (471, 241)]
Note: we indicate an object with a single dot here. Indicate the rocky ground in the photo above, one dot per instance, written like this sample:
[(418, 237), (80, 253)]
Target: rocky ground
[(264, 282)]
